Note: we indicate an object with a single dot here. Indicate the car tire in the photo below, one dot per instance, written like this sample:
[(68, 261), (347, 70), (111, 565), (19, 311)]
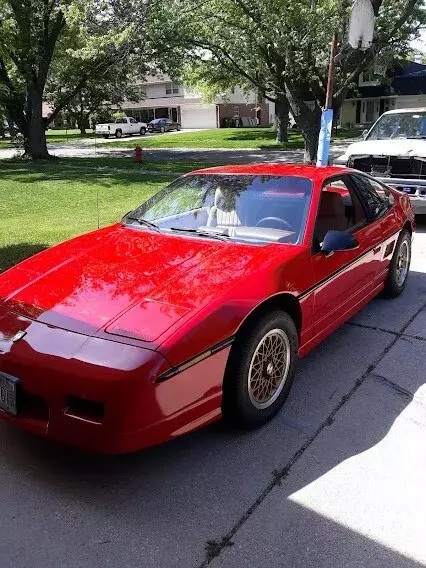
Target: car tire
[(142, 131), (399, 267), (106, 136), (245, 402), (178, 127), (118, 133), (162, 130)]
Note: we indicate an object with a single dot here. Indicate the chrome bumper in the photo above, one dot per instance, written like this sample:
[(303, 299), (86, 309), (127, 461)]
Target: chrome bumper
[(414, 188)]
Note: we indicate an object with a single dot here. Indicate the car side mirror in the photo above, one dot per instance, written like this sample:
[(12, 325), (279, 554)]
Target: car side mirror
[(364, 134), (335, 241)]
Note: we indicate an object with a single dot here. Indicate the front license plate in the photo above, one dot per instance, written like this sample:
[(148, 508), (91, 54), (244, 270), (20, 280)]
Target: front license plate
[(8, 394)]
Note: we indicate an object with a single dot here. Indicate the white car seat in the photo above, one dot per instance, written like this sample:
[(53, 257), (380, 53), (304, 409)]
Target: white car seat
[(220, 214)]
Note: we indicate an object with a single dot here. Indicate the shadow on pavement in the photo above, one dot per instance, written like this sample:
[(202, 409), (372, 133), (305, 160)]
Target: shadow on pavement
[(160, 507)]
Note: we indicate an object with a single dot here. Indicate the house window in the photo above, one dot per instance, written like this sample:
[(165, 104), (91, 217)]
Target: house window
[(236, 111), (172, 89), (368, 77)]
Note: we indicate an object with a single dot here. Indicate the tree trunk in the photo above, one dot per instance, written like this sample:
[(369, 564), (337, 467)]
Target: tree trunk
[(10, 122), (282, 109), (308, 120), (35, 134), (310, 136), (82, 125), (82, 118)]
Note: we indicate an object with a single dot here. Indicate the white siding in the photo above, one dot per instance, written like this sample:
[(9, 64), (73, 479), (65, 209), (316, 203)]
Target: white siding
[(238, 97), (158, 91), (198, 116), (348, 112), (410, 101)]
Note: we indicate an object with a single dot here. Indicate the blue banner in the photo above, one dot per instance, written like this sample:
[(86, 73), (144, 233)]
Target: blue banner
[(325, 137)]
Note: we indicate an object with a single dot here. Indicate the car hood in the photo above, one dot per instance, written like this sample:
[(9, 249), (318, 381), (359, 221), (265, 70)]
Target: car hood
[(85, 284), (400, 147)]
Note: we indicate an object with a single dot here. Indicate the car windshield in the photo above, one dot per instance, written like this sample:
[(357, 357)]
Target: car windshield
[(399, 125), (248, 208)]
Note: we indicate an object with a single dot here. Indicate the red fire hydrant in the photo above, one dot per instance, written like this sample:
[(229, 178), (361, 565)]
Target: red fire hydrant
[(138, 154)]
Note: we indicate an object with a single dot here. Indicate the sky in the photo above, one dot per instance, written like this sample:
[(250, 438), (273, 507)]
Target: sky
[(420, 43)]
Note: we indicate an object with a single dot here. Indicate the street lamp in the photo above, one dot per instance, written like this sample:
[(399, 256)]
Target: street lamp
[(361, 31)]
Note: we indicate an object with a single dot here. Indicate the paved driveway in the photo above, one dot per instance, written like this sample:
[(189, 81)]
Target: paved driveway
[(337, 479)]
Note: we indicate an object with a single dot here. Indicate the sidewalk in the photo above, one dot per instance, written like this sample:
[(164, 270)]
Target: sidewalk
[(355, 494)]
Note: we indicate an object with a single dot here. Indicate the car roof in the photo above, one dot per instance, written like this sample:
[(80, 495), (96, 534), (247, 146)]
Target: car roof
[(405, 110), (277, 169)]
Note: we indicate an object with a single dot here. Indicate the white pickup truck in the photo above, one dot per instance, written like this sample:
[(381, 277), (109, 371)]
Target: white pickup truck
[(394, 151), (121, 126)]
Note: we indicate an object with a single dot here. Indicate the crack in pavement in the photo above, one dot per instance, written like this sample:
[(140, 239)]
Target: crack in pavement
[(214, 548), (405, 335)]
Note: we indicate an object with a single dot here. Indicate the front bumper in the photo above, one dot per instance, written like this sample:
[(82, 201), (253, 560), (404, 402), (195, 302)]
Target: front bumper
[(53, 364), (54, 367), (414, 188)]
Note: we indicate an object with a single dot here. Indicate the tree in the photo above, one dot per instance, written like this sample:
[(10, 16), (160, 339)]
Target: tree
[(280, 47), (84, 38), (100, 91)]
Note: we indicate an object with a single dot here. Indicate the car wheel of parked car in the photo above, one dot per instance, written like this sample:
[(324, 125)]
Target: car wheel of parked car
[(178, 127), (106, 135), (142, 131), (118, 134), (399, 267), (162, 130), (260, 370)]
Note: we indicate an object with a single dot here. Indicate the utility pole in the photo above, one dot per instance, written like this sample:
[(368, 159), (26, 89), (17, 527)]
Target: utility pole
[(327, 113), (361, 30)]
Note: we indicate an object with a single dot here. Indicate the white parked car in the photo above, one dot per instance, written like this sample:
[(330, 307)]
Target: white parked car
[(394, 151), (121, 126)]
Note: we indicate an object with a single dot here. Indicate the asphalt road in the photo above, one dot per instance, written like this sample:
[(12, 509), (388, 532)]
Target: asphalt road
[(337, 479)]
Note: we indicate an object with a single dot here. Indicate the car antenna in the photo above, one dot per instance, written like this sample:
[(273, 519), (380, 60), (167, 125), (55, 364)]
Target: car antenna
[(97, 187)]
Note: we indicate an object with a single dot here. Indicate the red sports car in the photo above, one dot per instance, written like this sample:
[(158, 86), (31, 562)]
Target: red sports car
[(196, 305)]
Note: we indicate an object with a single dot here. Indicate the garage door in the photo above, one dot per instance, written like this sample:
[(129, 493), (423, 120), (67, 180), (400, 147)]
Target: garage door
[(198, 116)]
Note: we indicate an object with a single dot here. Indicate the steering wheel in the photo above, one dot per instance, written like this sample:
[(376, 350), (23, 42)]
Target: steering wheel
[(282, 222)]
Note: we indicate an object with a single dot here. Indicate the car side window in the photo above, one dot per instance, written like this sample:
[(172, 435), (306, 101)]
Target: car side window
[(376, 197), (133, 121), (339, 210)]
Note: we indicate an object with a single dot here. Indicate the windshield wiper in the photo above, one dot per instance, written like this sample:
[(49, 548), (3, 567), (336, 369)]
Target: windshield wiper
[(145, 223), (202, 233)]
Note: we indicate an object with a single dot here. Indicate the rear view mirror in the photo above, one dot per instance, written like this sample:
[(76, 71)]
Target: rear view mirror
[(335, 241), (364, 134)]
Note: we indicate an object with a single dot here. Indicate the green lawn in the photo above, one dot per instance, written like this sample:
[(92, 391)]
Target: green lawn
[(54, 136), (129, 163), (67, 135), (43, 204), (256, 138)]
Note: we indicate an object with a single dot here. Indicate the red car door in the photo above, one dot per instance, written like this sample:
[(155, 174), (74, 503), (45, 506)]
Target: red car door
[(379, 203), (344, 276)]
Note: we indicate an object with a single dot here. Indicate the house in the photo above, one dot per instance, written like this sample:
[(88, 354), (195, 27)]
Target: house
[(404, 87), (166, 99)]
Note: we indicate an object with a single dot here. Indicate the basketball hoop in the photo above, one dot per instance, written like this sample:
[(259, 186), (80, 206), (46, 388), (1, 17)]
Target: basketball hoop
[(361, 25), (382, 61)]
